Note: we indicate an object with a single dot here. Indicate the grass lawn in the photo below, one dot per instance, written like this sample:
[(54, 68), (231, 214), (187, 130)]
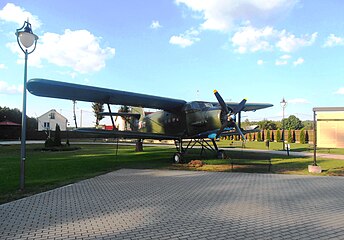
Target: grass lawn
[(48, 170), (295, 147)]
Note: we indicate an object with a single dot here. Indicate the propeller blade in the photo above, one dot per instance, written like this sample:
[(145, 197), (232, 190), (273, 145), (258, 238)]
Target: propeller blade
[(240, 107), (224, 125), (221, 102), (239, 131)]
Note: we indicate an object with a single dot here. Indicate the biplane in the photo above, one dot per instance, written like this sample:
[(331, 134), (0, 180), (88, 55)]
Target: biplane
[(187, 123)]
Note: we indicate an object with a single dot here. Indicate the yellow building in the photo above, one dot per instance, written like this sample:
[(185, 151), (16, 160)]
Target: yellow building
[(330, 127)]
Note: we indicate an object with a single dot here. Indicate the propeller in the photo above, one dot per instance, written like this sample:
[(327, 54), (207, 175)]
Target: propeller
[(228, 118)]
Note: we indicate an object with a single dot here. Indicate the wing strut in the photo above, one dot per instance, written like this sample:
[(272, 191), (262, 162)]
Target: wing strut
[(113, 122), (74, 115)]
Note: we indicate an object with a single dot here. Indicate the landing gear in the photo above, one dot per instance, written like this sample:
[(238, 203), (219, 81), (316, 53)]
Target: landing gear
[(178, 158)]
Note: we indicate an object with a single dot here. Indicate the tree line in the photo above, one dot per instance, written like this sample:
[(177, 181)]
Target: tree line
[(15, 115), (290, 123)]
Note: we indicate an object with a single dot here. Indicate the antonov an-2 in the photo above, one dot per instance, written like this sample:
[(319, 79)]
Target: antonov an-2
[(178, 120)]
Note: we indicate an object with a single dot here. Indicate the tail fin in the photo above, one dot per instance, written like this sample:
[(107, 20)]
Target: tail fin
[(137, 123)]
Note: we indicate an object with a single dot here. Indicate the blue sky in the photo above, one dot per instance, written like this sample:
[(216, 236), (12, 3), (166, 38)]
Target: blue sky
[(260, 50)]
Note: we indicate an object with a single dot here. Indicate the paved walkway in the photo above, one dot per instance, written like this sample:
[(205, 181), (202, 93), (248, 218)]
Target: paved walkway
[(162, 204)]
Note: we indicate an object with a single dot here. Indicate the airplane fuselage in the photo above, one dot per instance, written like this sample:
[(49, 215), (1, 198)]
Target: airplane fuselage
[(195, 118)]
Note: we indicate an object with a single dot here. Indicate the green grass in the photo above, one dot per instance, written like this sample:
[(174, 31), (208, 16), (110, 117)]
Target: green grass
[(295, 147), (48, 170)]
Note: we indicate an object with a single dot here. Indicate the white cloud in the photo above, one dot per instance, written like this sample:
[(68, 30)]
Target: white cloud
[(251, 39), (16, 14), (5, 88), (155, 25), (289, 43), (298, 101), (333, 40), (298, 61), (186, 39), (340, 91), (222, 15), (280, 62), (260, 62), (286, 56), (67, 50), (2, 66)]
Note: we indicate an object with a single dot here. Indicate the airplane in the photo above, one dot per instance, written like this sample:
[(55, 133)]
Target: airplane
[(194, 122)]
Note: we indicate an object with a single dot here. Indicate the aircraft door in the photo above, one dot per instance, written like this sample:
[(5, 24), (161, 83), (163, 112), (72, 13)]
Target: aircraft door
[(195, 118)]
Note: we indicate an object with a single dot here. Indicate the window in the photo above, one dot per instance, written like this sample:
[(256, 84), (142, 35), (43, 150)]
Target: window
[(46, 125), (52, 115)]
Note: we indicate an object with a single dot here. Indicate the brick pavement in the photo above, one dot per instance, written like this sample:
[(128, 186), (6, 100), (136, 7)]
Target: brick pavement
[(162, 204)]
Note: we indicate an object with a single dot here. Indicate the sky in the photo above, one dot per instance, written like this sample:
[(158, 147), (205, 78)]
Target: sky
[(262, 50)]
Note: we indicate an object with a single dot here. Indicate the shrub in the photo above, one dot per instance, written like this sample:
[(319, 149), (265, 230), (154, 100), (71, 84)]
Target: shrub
[(49, 143), (302, 136), (278, 136), (290, 136), (259, 136), (268, 138)]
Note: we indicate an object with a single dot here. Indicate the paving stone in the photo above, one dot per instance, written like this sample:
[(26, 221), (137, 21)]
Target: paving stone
[(161, 204)]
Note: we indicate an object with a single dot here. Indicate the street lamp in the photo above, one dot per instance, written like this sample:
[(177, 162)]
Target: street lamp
[(283, 105), (25, 38)]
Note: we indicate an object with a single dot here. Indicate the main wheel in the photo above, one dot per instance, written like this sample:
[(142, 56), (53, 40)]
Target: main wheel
[(221, 154), (177, 158)]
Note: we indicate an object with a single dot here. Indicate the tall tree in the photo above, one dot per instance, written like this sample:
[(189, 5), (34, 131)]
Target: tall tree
[(267, 124), (293, 123), (97, 108)]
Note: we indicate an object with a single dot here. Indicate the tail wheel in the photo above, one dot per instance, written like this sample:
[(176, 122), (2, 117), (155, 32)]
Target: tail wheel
[(177, 158)]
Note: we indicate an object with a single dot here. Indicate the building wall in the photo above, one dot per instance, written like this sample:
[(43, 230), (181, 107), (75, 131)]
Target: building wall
[(330, 129), (49, 120)]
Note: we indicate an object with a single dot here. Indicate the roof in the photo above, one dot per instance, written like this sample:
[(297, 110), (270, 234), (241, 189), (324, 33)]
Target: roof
[(8, 123), (328, 109)]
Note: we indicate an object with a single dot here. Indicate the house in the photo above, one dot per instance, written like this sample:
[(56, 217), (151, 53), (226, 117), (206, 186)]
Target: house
[(49, 120)]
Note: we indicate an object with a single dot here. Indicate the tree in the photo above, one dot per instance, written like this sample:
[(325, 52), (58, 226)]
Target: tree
[(57, 138), (278, 136), (267, 124), (14, 115), (98, 108), (290, 136), (259, 136), (293, 123), (302, 136), (250, 137), (268, 137)]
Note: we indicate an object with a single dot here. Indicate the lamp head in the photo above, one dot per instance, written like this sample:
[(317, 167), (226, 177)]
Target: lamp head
[(283, 103), (27, 37)]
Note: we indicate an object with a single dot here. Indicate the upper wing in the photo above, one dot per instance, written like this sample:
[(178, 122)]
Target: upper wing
[(63, 90), (248, 106)]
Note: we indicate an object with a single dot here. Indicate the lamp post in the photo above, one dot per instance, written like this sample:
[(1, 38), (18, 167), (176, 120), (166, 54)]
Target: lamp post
[(25, 38), (283, 105)]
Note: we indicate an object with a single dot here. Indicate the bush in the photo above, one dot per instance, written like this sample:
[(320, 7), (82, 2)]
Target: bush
[(49, 143), (57, 138), (268, 138), (259, 136), (290, 136), (278, 136), (302, 137)]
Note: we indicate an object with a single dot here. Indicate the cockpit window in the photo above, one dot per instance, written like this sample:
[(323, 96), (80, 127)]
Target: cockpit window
[(197, 106)]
